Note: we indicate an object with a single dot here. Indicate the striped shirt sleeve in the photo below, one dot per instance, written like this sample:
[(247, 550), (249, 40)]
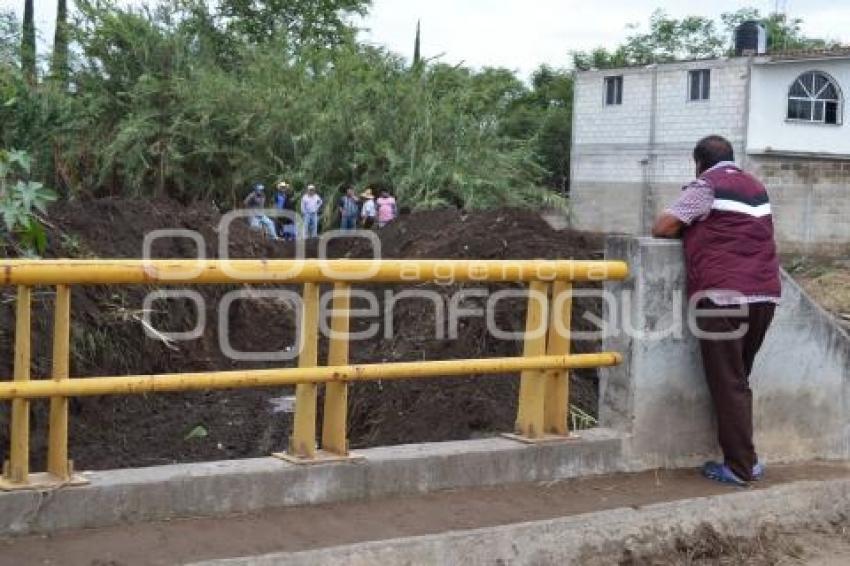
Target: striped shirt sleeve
[(694, 202)]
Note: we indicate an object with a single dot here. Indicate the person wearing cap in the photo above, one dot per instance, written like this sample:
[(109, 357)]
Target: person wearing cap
[(280, 196), (348, 210), (369, 211), (311, 203), (285, 209), (289, 219), (256, 199)]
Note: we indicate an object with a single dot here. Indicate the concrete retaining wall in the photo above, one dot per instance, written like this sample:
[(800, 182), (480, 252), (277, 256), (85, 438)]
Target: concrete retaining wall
[(242, 486), (604, 536), (810, 203), (659, 398), (808, 196)]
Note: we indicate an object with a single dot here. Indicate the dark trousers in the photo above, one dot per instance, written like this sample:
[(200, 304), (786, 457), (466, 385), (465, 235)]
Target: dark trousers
[(727, 364), (348, 222)]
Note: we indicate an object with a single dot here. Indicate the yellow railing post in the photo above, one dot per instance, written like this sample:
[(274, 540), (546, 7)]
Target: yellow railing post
[(334, 436), (57, 447), (302, 443), (532, 389), (17, 469), (558, 380)]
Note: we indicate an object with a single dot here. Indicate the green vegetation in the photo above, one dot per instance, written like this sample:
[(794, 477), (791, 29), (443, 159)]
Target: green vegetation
[(182, 100), (20, 198), (9, 37), (694, 37)]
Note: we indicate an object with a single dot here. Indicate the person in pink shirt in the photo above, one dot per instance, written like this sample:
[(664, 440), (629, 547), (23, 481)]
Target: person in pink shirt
[(387, 210)]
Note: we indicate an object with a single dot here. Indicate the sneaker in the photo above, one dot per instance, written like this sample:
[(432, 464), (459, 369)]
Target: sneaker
[(721, 473), (758, 471)]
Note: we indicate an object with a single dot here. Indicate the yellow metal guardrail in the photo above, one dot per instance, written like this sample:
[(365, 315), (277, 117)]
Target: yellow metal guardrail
[(544, 385)]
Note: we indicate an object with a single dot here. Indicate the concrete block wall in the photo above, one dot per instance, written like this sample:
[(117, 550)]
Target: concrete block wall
[(625, 171), (624, 123), (680, 121), (810, 199), (658, 397), (629, 159), (608, 207)]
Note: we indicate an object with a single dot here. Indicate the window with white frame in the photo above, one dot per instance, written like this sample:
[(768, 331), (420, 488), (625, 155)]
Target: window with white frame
[(613, 90), (699, 84), (815, 97)]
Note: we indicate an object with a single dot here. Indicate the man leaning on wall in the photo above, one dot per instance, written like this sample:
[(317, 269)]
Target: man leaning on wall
[(724, 220)]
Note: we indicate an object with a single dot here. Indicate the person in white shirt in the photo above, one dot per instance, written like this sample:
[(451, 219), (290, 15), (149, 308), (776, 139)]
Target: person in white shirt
[(311, 203), (369, 211)]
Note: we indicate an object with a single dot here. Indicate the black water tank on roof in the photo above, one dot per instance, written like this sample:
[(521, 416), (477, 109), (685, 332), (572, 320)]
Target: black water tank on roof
[(750, 38)]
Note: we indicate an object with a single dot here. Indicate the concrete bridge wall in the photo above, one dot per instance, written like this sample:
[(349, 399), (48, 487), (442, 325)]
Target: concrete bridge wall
[(654, 412), (659, 399)]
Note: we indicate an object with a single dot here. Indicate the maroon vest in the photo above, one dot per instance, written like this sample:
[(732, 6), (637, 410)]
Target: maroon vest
[(733, 248)]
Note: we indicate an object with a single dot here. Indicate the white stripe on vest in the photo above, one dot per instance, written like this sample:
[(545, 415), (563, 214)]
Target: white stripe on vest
[(735, 206)]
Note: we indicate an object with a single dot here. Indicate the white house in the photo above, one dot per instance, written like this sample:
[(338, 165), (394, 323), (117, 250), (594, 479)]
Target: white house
[(634, 130)]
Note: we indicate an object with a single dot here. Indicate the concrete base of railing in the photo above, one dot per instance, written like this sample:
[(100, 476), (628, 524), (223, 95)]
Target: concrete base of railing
[(321, 457), (241, 486), (43, 481)]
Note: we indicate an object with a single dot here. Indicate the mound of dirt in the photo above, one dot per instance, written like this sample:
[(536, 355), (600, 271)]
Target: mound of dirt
[(108, 337), (491, 234)]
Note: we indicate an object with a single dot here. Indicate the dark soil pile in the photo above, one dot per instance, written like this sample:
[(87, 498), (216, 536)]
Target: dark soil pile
[(108, 338)]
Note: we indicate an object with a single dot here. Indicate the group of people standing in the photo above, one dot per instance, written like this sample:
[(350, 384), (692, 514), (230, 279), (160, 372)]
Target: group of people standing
[(364, 209)]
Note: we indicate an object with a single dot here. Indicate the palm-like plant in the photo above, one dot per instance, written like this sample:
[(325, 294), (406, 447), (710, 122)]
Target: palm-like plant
[(20, 198)]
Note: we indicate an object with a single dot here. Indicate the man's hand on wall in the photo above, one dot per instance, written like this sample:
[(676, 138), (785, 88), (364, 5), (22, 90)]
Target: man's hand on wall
[(667, 226)]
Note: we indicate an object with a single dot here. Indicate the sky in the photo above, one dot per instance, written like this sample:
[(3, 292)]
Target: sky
[(522, 34)]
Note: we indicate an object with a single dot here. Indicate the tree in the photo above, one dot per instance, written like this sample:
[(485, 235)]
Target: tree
[(553, 91), (315, 23), (28, 43), (782, 33), (10, 38), (544, 116), (59, 68), (601, 58), (417, 55), (668, 39), (692, 37)]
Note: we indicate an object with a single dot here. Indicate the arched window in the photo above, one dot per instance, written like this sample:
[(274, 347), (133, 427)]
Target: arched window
[(815, 97)]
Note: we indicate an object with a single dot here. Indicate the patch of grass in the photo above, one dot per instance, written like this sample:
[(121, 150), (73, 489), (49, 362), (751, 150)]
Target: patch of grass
[(827, 281), (706, 546), (831, 289)]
